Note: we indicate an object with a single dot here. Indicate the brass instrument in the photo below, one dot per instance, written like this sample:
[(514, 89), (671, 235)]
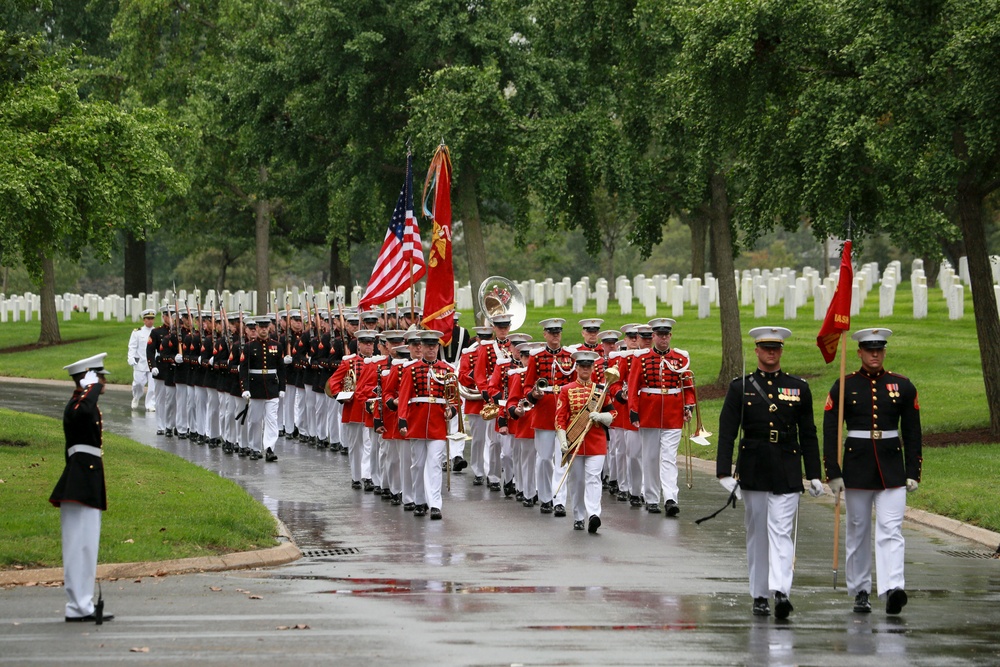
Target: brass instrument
[(500, 296), (452, 393), (580, 425), (350, 380), (490, 411)]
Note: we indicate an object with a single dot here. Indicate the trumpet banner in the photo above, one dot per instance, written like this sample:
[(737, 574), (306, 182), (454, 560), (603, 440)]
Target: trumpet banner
[(439, 302)]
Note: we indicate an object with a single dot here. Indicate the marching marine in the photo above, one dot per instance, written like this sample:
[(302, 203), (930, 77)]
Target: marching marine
[(140, 366)]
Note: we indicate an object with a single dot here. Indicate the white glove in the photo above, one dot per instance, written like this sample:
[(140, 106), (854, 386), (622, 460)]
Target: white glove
[(90, 378), (155, 372), (287, 359), (179, 359), (911, 484), (246, 395), (211, 361), (836, 486), (602, 418), (281, 394), (730, 483), (199, 359), (815, 488), (561, 437)]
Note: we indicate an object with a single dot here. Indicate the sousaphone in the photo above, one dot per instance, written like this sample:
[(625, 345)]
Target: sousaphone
[(500, 296)]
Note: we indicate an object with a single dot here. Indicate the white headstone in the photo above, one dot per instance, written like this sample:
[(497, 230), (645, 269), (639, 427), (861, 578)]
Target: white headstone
[(695, 291), (625, 299), (760, 301), (677, 303), (820, 301), (791, 302), (559, 295), (704, 302), (919, 301), (579, 296), (601, 295), (886, 298), (956, 305), (963, 270), (538, 298)]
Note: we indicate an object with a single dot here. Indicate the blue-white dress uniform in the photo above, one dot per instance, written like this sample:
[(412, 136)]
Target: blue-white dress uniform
[(137, 360), (80, 493)]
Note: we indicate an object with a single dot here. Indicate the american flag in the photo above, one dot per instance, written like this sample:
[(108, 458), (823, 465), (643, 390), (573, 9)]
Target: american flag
[(400, 263)]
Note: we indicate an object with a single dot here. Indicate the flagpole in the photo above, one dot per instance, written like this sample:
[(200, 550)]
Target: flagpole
[(840, 455)]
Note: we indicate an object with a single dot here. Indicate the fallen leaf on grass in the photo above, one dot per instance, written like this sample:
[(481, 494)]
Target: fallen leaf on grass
[(144, 649), (162, 530), (129, 541), (18, 567)]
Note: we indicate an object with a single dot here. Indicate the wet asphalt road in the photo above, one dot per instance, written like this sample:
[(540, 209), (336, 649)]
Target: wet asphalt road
[(495, 583)]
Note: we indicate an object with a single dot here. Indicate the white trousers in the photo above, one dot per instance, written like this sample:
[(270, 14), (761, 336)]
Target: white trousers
[(659, 463), (182, 391), (633, 462), (333, 412), (890, 505), (526, 478), (150, 393), (392, 477), (585, 483), (769, 520), (301, 418), (321, 420), (456, 447), (199, 409), (212, 414), (291, 394), (428, 459), (140, 378), (309, 411), (227, 413), (374, 456), (615, 439), (548, 472), (366, 453), (262, 424), (161, 404), (353, 437), (167, 408), (506, 457), (405, 452), (494, 447), (477, 427), (81, 537)]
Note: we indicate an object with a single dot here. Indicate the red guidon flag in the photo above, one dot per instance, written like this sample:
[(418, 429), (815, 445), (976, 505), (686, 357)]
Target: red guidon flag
[(439, 302), (838, 315)]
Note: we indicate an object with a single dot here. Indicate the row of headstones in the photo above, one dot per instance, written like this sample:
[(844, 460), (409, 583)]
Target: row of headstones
[(763, 288)]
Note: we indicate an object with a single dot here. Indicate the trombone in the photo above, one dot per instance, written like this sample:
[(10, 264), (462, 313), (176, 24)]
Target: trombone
[(453, 394)]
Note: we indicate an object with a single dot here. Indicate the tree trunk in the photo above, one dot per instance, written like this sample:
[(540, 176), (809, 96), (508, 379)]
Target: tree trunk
[(262, 209), (722, 256), (340, 267), (609, 262), (220, 281), (699, 234), (970, 213), (475, 248), (47, 294), (135, 265)]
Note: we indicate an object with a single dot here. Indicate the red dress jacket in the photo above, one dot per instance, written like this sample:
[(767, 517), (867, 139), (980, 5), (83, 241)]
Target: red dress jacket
[(520, 427), (558, 369), (422, 406), (390, 395), (657, 393), (571, 401), (368, 383), (466, 376), (619, 390), (353, 409)]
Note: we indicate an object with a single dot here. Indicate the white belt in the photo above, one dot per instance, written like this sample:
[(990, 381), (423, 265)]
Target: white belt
[(428, 399), (550, 390), (258, 371), (874, 435), (650, 390), (85, 449)]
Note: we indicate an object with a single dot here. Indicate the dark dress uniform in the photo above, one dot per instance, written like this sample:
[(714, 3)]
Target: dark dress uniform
[(262, 378), (156, 364), (882, 451), (81, 495)]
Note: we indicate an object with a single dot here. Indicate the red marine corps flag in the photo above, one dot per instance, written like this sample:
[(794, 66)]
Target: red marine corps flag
[(838, 315), (439, 303), (400, 262)]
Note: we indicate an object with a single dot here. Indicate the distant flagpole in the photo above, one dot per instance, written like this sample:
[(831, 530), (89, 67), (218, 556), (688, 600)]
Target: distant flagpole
[(836, 324), (400, 262)]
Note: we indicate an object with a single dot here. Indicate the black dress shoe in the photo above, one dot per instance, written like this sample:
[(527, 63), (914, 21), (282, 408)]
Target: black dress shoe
[(653, 508), (90, 619), (387, 493), (159, 431), (355, 484), (182, 436), (435, 514), (255, 455), (377, 490), (578, 525), (458, 464), (672, 509), (369, 485), (761, 607), (593, 524), (494, 486), (895, 600), (281, 433), (528, 502), (477, 481), (623, 496), (559, 510), (546, 507), (270, 455), (343, 450), (613, 487), (862, 605), (635, 501), (508, 489), (519, 497), (420, 510), (169, 433), (782, 606), (397, 499)]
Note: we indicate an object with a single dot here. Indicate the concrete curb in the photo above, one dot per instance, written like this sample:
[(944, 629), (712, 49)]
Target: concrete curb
[(982, 536), (279, 555)]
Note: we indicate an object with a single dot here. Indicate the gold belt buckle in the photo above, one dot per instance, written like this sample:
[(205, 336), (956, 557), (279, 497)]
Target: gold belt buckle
[(773, 436), (876, 435)]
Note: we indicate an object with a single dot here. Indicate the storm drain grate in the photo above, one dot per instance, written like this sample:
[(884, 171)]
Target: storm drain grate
[(326, 553), (972, 554)]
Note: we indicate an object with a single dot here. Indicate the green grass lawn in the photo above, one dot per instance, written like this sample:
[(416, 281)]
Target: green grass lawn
[(941, 356), (159, 505)]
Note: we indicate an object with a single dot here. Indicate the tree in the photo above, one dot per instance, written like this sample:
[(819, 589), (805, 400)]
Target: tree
[(884, 111), (72, 172)]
